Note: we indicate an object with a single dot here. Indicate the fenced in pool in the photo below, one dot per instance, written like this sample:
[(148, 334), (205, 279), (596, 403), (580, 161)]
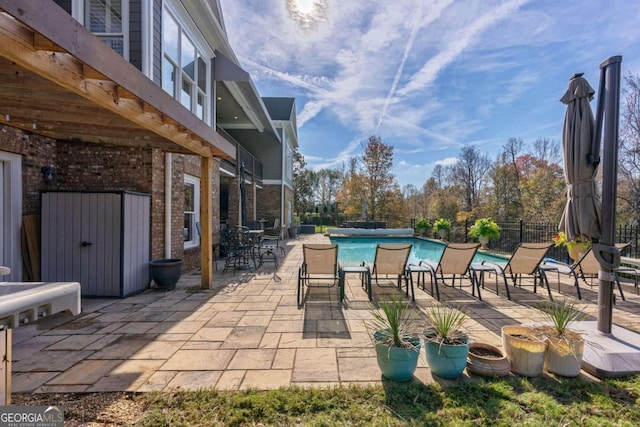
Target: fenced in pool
[(352, 250)]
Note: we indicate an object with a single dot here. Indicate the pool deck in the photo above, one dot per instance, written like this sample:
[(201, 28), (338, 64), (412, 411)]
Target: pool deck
[(247, 332)]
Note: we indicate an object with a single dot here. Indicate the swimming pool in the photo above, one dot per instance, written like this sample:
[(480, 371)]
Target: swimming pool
[(354, 250)]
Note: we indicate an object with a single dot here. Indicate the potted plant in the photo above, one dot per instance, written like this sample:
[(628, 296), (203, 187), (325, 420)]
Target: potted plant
[(396, 339), (487, 360), (576, 248), (446, 344), (565, 346), (293, 227), (483, 230), (525, 348), (422, 225), (442, 227)]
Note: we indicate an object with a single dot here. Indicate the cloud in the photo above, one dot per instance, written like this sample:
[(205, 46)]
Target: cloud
[(430, 71)]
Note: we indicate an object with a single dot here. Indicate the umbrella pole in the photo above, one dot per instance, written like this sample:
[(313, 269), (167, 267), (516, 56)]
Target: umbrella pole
[(609, 259)]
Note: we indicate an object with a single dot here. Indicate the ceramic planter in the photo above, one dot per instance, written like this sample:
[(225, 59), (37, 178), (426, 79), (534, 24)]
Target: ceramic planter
[(564, 356), (397, 363), (484, 241), (446, 360), (525, 351), (487, 360), (442, 233), (166, 272)]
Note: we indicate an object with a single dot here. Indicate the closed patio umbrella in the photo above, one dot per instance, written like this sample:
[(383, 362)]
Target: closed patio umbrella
[(581, 217)]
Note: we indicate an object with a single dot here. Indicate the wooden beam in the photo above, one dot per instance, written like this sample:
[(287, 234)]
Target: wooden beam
[(69, 71), (42, 43), (55, 24), (206, 216)]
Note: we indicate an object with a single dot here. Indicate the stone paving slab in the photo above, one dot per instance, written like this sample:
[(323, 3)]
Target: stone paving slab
[(248, 332)]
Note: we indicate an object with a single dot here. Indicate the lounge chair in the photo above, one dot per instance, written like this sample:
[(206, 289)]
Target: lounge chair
[(454, 262), (525, 260), (391, 260), (319, 264), (586, 267)]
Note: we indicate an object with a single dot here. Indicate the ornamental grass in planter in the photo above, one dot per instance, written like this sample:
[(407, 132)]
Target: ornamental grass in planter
[(565, 346), (525, 348), (446, 344), (396, 339)]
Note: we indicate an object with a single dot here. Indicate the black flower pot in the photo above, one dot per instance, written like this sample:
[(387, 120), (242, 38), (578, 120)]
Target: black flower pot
[(166, 272)]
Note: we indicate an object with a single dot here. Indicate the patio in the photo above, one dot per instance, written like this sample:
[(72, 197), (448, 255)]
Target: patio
[(247, 332)]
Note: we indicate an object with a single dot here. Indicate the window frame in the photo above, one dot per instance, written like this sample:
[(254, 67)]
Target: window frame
[(203, 111), (78, 8), (195, 181)]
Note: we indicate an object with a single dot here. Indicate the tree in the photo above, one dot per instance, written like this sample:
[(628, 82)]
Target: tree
[(629, 157), (327, 183), (377, 161), (469, 173), (301, 183)]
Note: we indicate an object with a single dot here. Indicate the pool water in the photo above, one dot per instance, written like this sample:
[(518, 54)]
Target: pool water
[(354, 250)]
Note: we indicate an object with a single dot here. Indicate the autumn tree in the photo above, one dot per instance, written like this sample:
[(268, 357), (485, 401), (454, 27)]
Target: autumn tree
[(379, 183)]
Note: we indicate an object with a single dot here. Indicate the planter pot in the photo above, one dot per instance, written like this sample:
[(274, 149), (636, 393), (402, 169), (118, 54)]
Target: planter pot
[(524, 351), (484, 241), (397, 364), (446, 360), (293, 231), (564, 356), (577, 250), (487, 360), (442, 234), (166, 272)]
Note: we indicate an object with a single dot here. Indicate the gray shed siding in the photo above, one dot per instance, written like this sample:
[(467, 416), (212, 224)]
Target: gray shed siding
[(100, 239)]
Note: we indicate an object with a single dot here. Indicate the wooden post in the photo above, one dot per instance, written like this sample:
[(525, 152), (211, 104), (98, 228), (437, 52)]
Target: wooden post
[(5, 366), (206, 214)]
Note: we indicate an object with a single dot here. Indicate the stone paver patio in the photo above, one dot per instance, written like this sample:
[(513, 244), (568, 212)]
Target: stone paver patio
[(247, 332)]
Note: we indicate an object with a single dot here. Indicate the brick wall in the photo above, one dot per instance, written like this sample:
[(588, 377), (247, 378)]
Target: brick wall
[(99, 167), (268, 202), (37, 151)]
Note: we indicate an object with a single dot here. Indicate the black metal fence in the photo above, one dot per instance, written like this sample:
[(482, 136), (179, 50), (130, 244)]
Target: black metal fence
[(512, 233)]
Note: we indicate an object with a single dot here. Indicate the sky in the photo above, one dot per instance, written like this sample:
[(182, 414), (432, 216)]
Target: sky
[(426, 76)]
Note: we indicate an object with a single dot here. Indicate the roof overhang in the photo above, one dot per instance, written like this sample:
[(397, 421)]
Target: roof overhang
[(58, 80), (239, 105)]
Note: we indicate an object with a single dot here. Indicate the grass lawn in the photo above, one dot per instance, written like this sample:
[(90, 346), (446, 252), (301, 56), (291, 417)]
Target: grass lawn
[(492, 402)]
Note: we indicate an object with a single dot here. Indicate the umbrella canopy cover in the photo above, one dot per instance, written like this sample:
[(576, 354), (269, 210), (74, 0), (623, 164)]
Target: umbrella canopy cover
[(581, 217)]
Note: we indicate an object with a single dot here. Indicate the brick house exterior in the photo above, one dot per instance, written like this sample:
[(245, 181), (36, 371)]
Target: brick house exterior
[(96, 164)]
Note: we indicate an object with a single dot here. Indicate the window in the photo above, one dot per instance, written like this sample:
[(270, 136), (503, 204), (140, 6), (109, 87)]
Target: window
[(108, 19), (184, 69), (191, 211)]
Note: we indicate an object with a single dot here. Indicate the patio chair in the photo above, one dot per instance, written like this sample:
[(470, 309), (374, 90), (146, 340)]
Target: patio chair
[(454, 262), (391, 260), (319, 265), (240, 249), (525, 261), (586, 267), (270, 240)]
